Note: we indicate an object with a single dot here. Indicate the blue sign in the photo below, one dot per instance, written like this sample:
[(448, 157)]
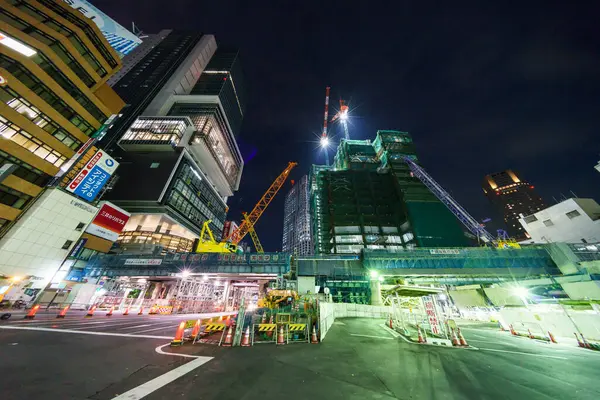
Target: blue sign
[(92, 183)]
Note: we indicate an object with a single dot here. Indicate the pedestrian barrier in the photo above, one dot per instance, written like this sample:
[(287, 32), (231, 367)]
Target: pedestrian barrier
[(263, 333), (210, 332)]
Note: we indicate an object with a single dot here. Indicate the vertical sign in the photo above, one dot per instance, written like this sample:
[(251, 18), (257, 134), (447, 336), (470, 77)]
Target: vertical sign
[(93, 176), (431, 314)]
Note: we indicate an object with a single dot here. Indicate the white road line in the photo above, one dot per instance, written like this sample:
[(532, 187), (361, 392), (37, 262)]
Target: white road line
[(394, 333), (159, 350), (372, 336), (155, 329), (479, 336), (35, 328), (527, 354), (146, 388), (137, 326)]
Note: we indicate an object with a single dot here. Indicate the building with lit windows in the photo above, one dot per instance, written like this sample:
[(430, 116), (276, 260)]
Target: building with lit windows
[(297, 229), (54, 97), (512, 196), (179, 157)]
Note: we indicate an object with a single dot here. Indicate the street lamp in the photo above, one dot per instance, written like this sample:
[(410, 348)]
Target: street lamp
[(374, 274)]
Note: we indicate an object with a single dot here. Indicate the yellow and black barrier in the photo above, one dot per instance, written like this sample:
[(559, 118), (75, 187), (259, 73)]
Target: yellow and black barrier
[(297, 333), (264, 333)]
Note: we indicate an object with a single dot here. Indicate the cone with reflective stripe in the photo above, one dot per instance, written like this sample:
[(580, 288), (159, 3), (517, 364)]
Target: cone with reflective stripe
[(31, 313), (313, 337), (270, 333), (126, 311), (110, 312), (280, 337), (391, 323), (585, 342), (141, 312), (90, 312), (461, 338), (455, 341), (512, 330), (421, 340), (178, 339), (246, 338), (579, 343), (551, 337), (63, 312), (530, 334), (228, 338), (196, 329)]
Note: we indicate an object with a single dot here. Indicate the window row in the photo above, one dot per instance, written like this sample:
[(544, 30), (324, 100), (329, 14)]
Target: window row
[(12, 198), (191, 198), (12, 132), (24, 170), (36, 86), (23, 107)]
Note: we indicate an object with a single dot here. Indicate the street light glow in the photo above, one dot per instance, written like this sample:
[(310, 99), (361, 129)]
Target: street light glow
[(185, 273), (344, 116), (324, 141), (521, 292), (374, 274)]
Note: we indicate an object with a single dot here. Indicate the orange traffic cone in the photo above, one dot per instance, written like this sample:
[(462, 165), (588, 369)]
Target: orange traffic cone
[(141, 312), (461, 338), (126, 311), (421, 340), (178, 339), (580, 344), (63, 312), (585, 342), (552, 338), (391, 323), (246, 338), (32, 311), (512, 331), (313, 337), (110, 312), (455, 341), (90, 312), (228, 338), (196, 330), (530, 334), (280, 338), (270, 333)]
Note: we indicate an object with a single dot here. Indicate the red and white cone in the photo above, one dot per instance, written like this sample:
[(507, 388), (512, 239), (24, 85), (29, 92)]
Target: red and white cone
[(141, 312), (512, 331), (551, 337), (530, 334), (461, 338), (246, 338), (90, 312), (280, 336), (391, 323), (313, 336), (420, 337), (110, 312), (585, 342), (228, 338), (579, 343), (126, 311), (455, 341)]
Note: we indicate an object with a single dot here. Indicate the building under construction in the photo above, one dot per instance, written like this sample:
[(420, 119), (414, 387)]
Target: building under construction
[(370, 199)]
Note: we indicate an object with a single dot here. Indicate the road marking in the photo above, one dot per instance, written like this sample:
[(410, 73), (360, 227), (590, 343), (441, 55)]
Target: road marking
[(155, 329), (479, 336), (35, 328), (159, 350), (137, 326), (146, 388), (527, 354), (494, 342), (372, 336)]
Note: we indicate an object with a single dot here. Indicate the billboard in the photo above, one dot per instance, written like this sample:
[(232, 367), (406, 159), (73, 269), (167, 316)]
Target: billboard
[(109, 222), (92, 178), (117, 36)]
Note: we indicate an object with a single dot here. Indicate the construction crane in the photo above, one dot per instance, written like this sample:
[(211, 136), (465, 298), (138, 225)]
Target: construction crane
[(324, 142), (253, 235), (342, 115)]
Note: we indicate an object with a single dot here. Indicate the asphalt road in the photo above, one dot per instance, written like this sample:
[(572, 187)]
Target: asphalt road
[(359, 359)]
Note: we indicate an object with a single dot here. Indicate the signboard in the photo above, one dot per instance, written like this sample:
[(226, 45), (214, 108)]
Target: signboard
[(77, 248), (143, 261), (430, 310), (109, 222), (92, 178), (117, 36), (444, 251)]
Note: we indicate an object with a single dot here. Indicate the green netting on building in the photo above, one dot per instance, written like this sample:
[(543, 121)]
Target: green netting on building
[(433, 225), (355, 155)]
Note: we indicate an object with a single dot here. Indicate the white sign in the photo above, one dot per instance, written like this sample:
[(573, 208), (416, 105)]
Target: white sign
[(143, 261), (432, 316), (93, 176), (444, 251)]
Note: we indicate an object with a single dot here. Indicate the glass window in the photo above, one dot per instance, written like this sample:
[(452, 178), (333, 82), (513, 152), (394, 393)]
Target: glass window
[(13, 198)]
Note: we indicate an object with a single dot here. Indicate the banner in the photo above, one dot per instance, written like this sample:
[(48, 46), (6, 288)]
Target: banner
[(143, 261), (109, 222), (92, 178)]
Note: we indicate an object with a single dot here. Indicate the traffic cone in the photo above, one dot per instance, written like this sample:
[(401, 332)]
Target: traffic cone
[(178, 339), (455, 341), (313, 337), (63, 312), (580, 344), (461, 338), (110, 312), (196, 330), (32, 311), (141, 312), (228, 338), (270, 333), (391, 323), (585, 342), (246, 338), (421, 340), (552, 338), (90, 312), (280, 338), (126, 311), (530, 335), (512, 331)]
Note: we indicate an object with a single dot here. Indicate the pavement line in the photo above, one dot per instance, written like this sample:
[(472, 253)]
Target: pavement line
[(155, 329), (372, 336), (146, 388), (35, 328), (527, 354), (395, 334), (159, 350), (137, 326)]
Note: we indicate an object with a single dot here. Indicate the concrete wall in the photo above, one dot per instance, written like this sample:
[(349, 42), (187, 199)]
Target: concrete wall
[(326, 318), (328, 312)]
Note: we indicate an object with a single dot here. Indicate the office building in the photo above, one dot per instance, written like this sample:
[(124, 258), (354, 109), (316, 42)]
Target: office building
[(297, 229), (54, 64), (369, 199), (570, 221), (179, 158), (512, 196)]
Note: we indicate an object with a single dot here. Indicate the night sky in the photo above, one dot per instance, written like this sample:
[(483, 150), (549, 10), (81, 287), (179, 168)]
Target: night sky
[(480, 86)]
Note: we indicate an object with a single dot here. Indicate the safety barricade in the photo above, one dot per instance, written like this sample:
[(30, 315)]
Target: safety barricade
[(162, 310), (211, 332), (297, 333), (264, 333)]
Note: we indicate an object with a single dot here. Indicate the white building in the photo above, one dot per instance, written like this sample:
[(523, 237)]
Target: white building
[(571, 221)]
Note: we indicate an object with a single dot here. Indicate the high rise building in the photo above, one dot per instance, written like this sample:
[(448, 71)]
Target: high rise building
[(297, 229), (176, 139), (369, 199), (512, 196)]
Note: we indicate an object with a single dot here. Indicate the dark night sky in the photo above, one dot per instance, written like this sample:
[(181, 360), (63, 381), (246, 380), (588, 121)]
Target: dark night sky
[(480, 86)]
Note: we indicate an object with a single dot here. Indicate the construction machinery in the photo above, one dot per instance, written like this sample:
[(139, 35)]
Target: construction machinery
[(207, 242), (278, 298), (253, 235)]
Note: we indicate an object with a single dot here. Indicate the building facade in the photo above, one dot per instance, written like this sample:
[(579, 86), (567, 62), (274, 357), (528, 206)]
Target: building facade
[(570, 221), (369, 199), (297, 228), (176, 140), (54, 99), (512, 196)]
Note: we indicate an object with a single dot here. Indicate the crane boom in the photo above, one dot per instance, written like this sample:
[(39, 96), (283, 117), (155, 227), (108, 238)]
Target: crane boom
[(236, 236), (253, 235), (459, 212)]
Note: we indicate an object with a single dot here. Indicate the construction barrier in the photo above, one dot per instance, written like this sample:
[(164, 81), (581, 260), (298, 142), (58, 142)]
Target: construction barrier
[(162, 310), (297, 333), (263, 333)]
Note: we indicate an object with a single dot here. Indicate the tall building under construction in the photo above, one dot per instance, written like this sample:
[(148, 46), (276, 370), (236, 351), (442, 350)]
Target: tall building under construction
[(369, 199), (297, 237)]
